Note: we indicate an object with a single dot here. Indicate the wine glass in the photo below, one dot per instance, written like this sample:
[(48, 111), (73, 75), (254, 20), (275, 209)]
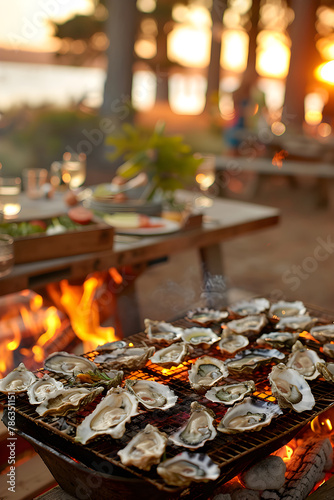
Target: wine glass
[(206, 172), (73, 170)]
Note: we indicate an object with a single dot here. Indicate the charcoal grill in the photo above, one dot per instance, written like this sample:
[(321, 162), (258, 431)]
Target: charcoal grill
[(81, 466)]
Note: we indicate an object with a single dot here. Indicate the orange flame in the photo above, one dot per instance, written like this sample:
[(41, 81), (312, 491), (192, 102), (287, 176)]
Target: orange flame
[(286, 451), (278, 158)]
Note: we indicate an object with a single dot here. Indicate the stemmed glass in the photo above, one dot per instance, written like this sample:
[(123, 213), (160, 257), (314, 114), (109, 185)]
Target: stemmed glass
[(73, 170)]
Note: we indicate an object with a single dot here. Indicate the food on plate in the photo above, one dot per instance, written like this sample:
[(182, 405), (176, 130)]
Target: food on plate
[(130, 220)]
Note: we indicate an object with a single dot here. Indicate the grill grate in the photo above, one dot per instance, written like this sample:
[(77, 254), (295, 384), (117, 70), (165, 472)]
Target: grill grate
[(231, 452)]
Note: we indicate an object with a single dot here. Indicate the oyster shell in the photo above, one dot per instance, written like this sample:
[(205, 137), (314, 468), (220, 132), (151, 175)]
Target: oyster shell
[(248, 324), (247, 307), (186, 467), (327, 371), (145, 448), (160, 331), (304, 361), (249, 415), (295, 323), (230, 393), (109, 417), (172, 355), (111, 346), (42, 388), (198, 430), (205, 372), (323, 333), (63, 401), (68, 364), (197, 336), (131, 358), (17, 380), (232, 342), (107, 379), (249, 360), (328, 350), (151, 395), (290, 388), (283, 309), (278, 339), (205, 316)]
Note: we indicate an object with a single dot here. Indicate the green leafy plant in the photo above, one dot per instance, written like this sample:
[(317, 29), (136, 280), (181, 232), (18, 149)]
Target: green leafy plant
[(167, 160)]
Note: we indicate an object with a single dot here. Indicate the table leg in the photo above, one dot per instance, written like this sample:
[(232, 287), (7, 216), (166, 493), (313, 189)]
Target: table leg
[(214, 285)]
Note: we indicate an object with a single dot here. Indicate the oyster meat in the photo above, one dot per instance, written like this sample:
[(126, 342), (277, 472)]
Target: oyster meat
[(109, 417), (327, 371), (198, 430), (160, 331), (232, 342), (205, 316), (68, 364), (249, 360), (230, 393), (111, 346), (247, 307), (290, 388), (295, 323), (283, 309), (205, 372), (186, 467), (278, 339), (304, 361), (63, 401), (18, 380), (197, 336), (170, 356), (42, 388), (249, 415), (151, 395), (323, 333), (248, 324), (145, 448), (131, 358)]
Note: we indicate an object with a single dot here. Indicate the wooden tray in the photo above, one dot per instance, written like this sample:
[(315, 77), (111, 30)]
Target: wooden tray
[(93, 237)]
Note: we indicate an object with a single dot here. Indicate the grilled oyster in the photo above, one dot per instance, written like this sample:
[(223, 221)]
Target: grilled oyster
[(198, 430), (205, 316), (152, 395), (304, 361), (111, 346), (109, 417), (295, 323), (68, 364), (42, 388), (278, 339), (160, 331), (106, 379), (283, 309), (172, 355), (248, 324), (205, 372), (197, 336), (247, 361), (63, 401), (131, 358), (323, 333), (247, 307), (231, 342), (186, 467), (145, 448), (327, 371), (290, 388), (249, 415), (230, 393), (18, 380), (328, 350)]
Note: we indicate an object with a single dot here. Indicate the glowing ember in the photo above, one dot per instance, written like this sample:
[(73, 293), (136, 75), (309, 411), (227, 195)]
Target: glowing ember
[(278, 158)]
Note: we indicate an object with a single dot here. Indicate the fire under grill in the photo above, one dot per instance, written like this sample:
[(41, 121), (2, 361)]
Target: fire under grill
[(232, 452)]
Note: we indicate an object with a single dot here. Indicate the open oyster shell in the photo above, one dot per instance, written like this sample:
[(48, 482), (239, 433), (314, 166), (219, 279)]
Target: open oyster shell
[(205, 316), (63, 401), (249, 415), (290, 388), (249, 307), (327, 371), (42, 388), (304, 361), (145, 448), (111, 346), (278, 339), (247, 361), (68, 364), (186, 467), (162, 332), (152, 395), (323, 333), (295, 323), (283, 309), (17, 380), (248, 324), (328, 350), (232, 342), (131, 358), (170, 356), (198, 336), (198, 430), (109, 417), (205, 372), (230, 393)]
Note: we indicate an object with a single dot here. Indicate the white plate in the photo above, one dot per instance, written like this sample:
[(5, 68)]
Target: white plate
[(168, 226)]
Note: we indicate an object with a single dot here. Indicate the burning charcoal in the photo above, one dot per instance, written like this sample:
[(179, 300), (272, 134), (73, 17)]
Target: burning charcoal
[(244, 494), (266, 474)]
